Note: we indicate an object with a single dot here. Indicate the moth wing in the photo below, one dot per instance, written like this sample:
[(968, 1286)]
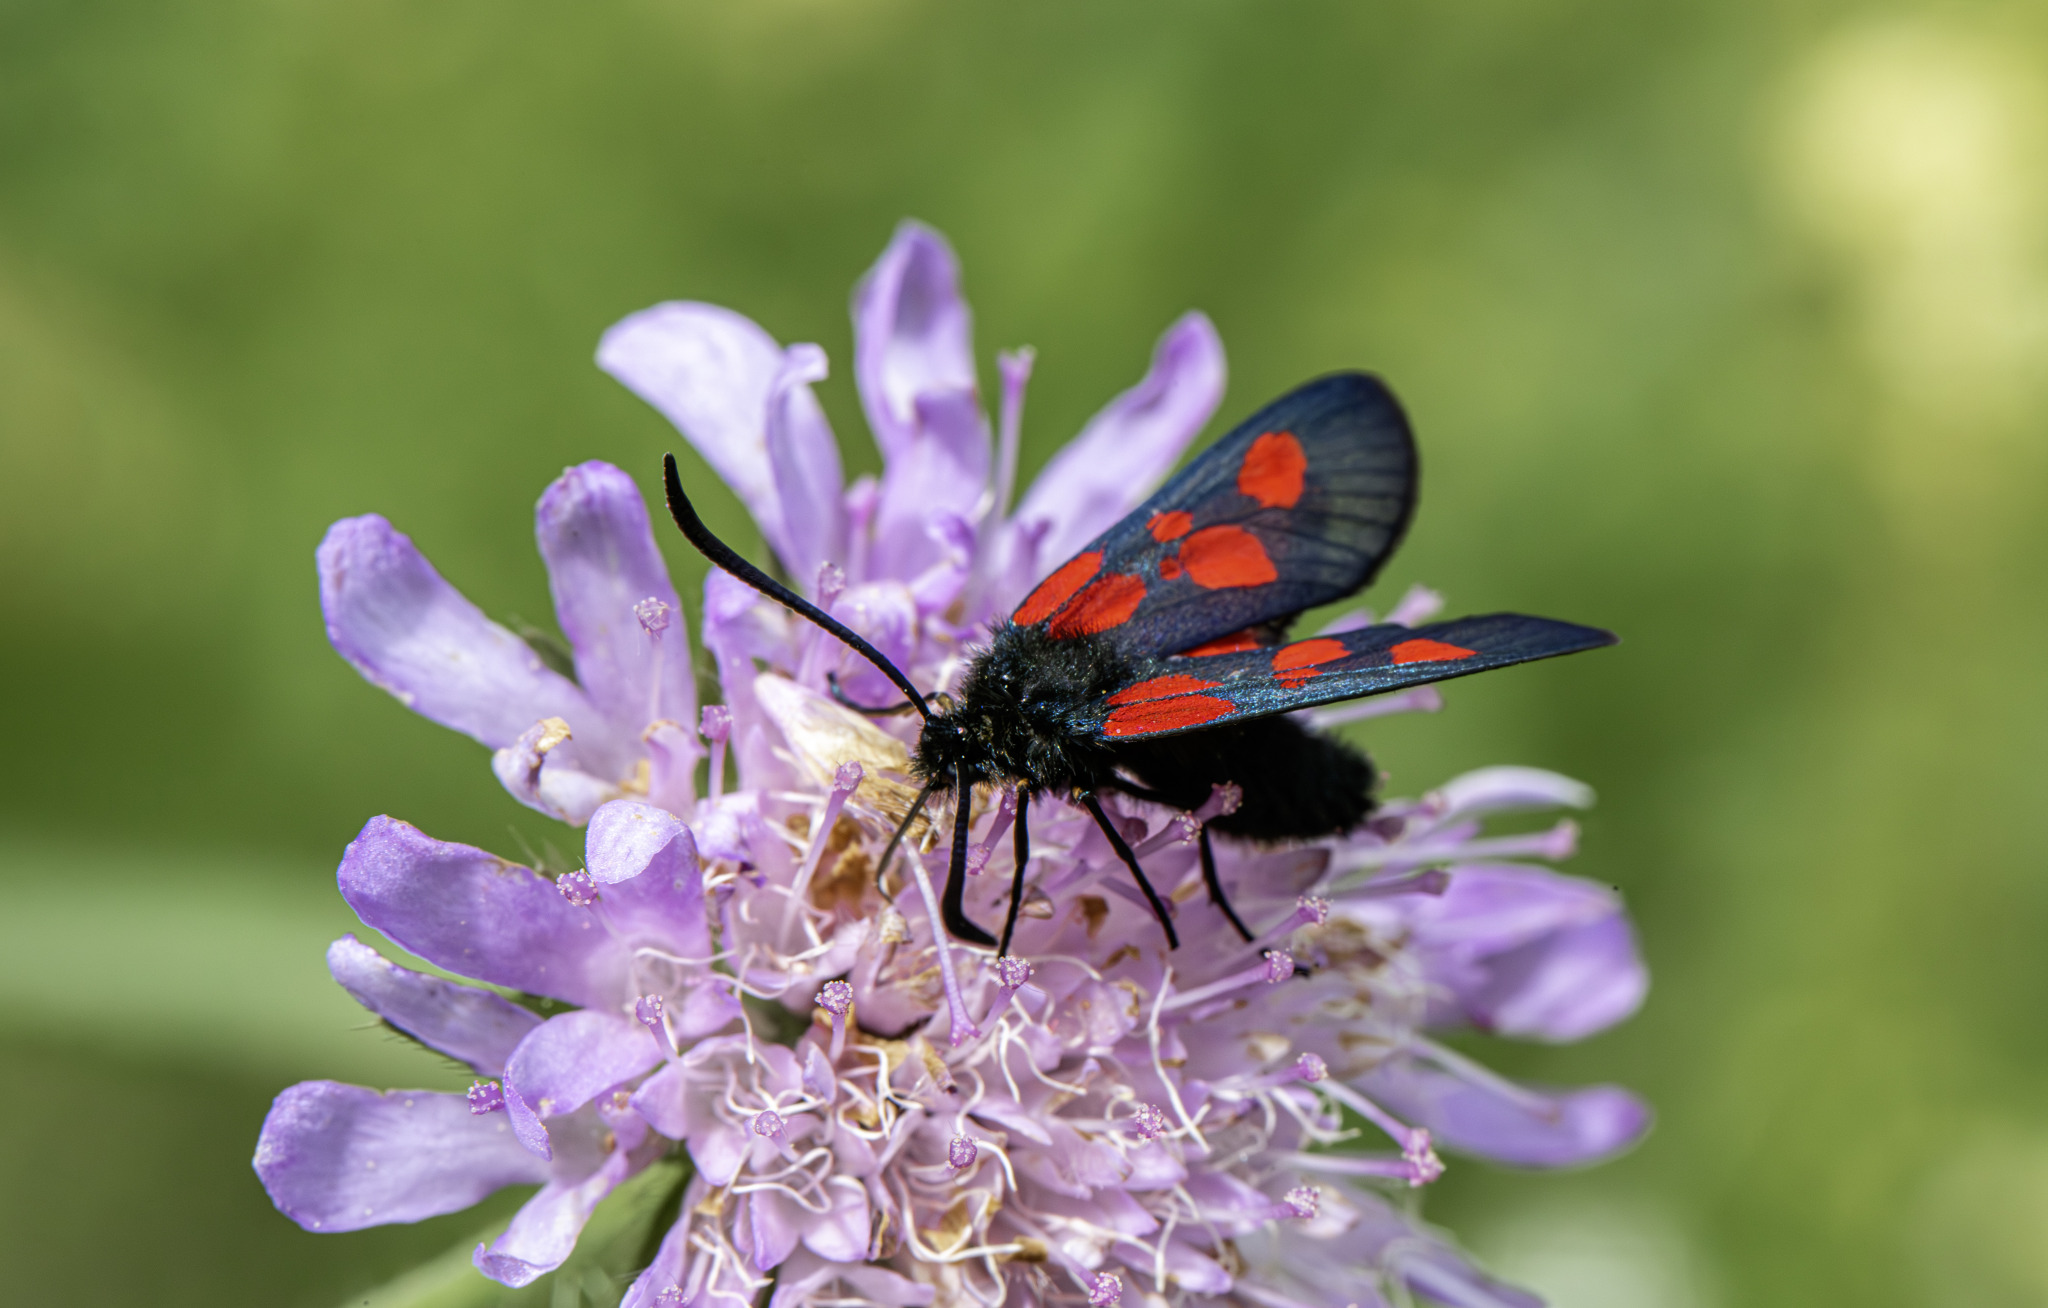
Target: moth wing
[(1191, 692), (1298, 506)]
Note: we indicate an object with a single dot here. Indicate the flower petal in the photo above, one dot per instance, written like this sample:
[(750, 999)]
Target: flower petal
[(408, 631), (477, 915), (1490, 790), (1489, 908), (913, 336), (940, 470), (1563, 987), (708, 370), (1512, 1124), (842, 1233), (806, 1273), (774, 1222), (543, 1232), (602, 564), (739, 398), (567, 1061), (461, 1021), (654, 887), (1527, 952), (1130, 446), (339, 1158), (627, 838), (663, 1099), (803, 456), (541, 770), (1442, 1276)]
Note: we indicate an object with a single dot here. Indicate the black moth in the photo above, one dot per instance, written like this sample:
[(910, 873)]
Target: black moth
[(1155, 662)]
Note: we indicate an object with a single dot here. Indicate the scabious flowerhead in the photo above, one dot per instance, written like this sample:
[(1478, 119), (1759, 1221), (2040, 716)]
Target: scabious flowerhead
[(872, 1114)]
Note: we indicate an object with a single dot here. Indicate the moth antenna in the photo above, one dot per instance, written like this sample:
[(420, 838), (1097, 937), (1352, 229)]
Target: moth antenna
[(724, 556), (840, 697)]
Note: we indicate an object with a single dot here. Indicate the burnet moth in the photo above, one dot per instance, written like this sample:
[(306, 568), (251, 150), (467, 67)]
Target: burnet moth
[(1155, 663)]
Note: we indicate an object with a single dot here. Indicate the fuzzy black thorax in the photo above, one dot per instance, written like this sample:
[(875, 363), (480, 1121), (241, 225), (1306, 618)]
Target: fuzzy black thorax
[(1026, 716), (1023, 715)]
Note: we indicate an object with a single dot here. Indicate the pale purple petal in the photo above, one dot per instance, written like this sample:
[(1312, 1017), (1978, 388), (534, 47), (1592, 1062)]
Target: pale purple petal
[(1488, 908), (739, 627), (541, 769), (941, 469), (1490, 790), (804, 459), (408, 631), (1512, 1124), (667, 1270), (627, 838), (885, 615), (569, 1060), (478, 915), (806, 1273), (1562, 987), (602, 562), (662, 1099), (461, 1021), (543, 1232), (1129, 447), (339, 1158), (1189, 1268), (707, 1006), (842, 1233), (774, 1222), (1528, 952), (1443, 1277), (913, 336), (673, 752), (709, 371), (653, 894)]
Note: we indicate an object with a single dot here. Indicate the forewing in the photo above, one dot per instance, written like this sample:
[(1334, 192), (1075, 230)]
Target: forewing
[(1296, 507), (1190, 692)]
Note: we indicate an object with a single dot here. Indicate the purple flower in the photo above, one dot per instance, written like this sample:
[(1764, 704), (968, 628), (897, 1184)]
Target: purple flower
[(1093, 1115), (562, 746)]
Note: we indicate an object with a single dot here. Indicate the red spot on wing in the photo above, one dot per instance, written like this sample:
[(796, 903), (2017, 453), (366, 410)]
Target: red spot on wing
[(1237, 642), (1171, 525), (1174, 683), (1106, 603), (1166, 715), (1057, 589), (1295, 676), (1169, 567), (1272, 470), (1305, 653), (1429, 651), (1218, 558)]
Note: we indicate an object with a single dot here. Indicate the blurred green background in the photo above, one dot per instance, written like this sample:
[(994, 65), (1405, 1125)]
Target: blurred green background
[(1724, 324)]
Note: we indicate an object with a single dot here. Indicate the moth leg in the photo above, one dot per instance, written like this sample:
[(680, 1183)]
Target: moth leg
[(1209, 877), (889, 850), (839, 697), (1020, 846), (1123, 851), (950, 907), (1215, 884)]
